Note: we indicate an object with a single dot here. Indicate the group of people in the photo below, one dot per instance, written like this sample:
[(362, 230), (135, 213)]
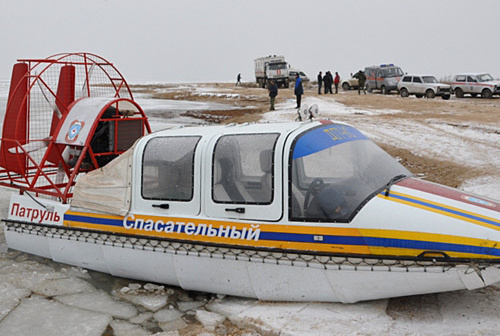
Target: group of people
[(327, 80), (298, 91)]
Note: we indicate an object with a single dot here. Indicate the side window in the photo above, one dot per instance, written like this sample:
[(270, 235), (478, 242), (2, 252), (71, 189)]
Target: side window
[(471, 79), (417, 80), (407, 79), (243, 169), (167, 168), (460, 79)]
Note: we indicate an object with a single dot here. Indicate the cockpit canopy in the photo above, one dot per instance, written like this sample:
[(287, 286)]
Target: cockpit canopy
[(334, 169), (311, 172)]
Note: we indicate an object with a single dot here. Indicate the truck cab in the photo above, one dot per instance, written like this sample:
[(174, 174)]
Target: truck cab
[(271, 68)]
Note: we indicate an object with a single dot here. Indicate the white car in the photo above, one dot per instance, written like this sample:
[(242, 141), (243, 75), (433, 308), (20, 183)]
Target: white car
[(423, 85), (350, 83), (475, 84), (292, 73)]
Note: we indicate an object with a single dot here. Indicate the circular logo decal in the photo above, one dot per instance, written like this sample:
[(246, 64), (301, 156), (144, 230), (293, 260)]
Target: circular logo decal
[(74, 130)]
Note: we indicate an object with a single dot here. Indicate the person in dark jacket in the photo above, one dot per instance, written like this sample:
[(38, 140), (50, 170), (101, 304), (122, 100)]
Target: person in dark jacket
[(330, 81), (320, 81), (361, 81), (326, 80), (273, 92), (299, 90)]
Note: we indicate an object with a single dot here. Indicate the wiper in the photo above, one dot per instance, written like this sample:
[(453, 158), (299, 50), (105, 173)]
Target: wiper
[(391, 182)]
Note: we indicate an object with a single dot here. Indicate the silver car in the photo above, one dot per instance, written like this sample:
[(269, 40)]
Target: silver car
[(423, 85), (475, 84)]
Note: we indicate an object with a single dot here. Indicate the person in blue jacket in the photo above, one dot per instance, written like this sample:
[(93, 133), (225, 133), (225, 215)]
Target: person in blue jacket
[(299, 90)]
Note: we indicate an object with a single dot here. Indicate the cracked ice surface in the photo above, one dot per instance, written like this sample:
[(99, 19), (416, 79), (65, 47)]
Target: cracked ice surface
[(43, 317)]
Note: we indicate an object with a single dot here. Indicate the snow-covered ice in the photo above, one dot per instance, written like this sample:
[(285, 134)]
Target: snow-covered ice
[(39, 316)]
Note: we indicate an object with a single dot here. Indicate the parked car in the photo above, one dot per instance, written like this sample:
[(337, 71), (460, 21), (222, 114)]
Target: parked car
[(423, 85), (475, 84), (350, 83), (384, 77), (292, 73)]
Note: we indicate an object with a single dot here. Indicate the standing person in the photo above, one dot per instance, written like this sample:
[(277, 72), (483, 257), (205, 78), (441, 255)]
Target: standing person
[(330, 81), (273, 92), (320, 81), (238, 79), (299, 90), (326, 81), (361, 81), (336, 81)]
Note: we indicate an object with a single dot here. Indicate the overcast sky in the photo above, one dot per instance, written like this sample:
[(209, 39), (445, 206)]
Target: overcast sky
[(202, 40)]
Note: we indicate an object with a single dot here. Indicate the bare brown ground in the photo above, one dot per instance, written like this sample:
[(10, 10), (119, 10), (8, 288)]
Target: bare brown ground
[(250, 102)]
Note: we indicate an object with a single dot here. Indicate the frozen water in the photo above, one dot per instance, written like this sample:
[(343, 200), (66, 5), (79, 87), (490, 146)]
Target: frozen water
[(122, 328), (166, 315), (43, 317), (99, 301), (152, 302), (10, 297), (173, 325), (189, 305), (209, 319), (62, 286)]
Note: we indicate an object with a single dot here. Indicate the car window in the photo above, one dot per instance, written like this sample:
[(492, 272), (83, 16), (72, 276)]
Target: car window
[(471, 79), (407, 79), (484, 77), (460, 79), (429, 79), (417, 80)]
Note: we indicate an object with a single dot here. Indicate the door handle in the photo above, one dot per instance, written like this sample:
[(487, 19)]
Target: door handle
[(161, 206), (237, 210)]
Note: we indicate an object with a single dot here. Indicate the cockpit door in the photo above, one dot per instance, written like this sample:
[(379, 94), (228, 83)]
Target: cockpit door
[(244, 176), (170, 176)]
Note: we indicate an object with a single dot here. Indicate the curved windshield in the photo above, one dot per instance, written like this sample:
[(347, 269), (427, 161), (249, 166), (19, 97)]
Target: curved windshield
[(334, 169), (429, 79)]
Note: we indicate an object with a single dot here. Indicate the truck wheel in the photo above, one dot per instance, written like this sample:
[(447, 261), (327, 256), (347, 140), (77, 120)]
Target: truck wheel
[(430, 94), (346, 86), (445, 97), (369, 88), (486, 94), (459, 93), (404, 93)]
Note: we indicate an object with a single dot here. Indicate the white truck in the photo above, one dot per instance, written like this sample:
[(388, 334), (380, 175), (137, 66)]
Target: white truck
[(271, 68)]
